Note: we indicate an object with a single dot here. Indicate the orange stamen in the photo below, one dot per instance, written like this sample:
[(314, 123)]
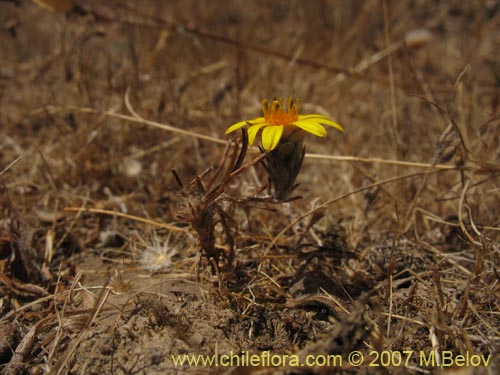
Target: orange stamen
[(275, 114)]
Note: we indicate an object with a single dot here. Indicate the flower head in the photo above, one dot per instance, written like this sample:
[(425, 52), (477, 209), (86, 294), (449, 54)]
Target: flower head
[(278, 122)]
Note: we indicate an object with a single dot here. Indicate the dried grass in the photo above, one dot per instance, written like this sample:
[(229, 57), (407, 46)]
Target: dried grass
[(395, 241)]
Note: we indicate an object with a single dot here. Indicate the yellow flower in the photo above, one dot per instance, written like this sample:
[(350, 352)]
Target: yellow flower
[(277, 121)]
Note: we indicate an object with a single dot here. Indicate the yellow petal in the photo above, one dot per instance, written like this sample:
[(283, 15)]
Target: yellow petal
[(241, 124), (253, 130), (311, 126), (322, 120), (271, 136)]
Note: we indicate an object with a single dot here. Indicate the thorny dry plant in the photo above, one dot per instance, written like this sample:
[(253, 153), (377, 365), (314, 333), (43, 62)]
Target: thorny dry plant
[(203, 208)]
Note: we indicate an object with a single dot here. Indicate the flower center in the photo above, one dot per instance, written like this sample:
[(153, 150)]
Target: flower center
[(275, 114)]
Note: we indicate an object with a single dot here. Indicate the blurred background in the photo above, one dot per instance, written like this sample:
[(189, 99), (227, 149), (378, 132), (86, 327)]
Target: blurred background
[(392, 73)]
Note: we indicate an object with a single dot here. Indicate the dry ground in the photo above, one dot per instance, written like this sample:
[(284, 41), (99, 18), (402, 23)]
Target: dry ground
[(377, 255)]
